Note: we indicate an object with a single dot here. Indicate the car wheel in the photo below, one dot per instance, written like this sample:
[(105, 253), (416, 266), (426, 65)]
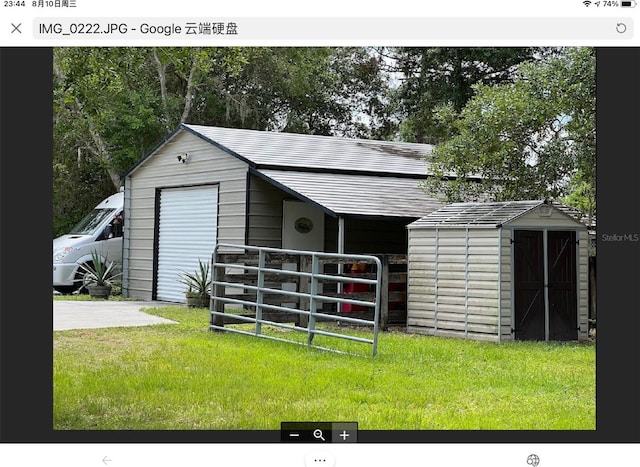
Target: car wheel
[(78, 280)]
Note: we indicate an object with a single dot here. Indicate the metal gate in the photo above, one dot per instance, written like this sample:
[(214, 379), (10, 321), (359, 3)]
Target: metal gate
[(251, 278)]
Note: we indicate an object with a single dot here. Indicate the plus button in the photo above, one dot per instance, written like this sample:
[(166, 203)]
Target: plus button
[(344, 435)]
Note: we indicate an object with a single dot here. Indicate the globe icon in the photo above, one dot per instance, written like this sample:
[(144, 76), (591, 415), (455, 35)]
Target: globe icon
[(533, 460)]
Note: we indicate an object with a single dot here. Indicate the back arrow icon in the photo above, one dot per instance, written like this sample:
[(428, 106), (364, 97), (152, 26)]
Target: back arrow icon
[(105, 460)]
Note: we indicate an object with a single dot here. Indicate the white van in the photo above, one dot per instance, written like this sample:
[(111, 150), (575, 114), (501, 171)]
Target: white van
[(101, 231)]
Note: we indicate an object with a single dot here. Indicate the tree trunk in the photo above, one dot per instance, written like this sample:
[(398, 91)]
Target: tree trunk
[(161, 68), (189, 94)]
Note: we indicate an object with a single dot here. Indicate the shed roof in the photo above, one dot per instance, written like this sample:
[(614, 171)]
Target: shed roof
[(341, 176), (479, 214), (266, 149), (359, 195)]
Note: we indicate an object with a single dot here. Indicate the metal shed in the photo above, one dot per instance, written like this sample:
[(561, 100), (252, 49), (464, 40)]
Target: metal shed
[(499, 272), (204, 185)]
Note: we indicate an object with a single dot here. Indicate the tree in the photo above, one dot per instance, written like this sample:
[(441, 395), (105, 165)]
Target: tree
[(113, 105), (437, 76), (533, 138), (312, 90), (104, 119)]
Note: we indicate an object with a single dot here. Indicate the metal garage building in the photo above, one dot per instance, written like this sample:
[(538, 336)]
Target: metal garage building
[(498, 271), (204, 185)]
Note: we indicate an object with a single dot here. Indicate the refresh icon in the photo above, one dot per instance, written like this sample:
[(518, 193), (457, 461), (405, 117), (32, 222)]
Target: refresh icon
[(621, 28)]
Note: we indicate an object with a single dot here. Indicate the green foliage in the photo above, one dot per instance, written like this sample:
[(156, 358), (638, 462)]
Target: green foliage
[(581, 194), (198, 281), (100, 272), (112, 105), (105, 119), (445, 76), (527, 139)]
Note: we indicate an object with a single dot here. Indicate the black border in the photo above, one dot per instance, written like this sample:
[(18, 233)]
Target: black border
[(25, 304), (618, 264), (25, 227)]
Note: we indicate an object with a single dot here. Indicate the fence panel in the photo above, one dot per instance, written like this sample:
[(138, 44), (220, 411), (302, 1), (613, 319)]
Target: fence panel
[(252, 278)]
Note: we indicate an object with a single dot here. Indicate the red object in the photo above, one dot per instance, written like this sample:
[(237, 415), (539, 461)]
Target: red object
[(350, 287)]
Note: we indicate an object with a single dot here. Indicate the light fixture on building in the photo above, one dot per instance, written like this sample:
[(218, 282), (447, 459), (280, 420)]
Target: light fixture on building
[(545, 210), (184, 158)]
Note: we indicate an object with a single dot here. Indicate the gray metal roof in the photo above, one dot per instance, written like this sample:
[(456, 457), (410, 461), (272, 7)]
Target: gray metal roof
[(361, 195), (481, 214), (265, 149)]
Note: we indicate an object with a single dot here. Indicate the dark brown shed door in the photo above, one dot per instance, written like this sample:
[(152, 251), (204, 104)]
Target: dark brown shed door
[(528, 266), (529, 284), (563, 303)]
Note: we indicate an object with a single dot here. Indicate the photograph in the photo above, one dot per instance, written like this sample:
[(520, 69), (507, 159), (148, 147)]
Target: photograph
[(401, 237)]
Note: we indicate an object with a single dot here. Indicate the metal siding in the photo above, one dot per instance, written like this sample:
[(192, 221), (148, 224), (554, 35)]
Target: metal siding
[(505, 285), (265, 213), (459, 296), (187, 234), (418, 240), (491, 267), (583, 284), (208, 164), (126, 242), (421, 293), (232, 205)]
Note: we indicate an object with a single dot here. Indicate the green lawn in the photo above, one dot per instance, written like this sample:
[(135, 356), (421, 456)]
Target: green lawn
[(185, 377)]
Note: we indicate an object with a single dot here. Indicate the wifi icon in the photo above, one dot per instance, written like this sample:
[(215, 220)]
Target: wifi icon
[(586, 3)]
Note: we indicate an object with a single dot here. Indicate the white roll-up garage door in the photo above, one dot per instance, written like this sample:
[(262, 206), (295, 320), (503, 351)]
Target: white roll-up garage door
[(187, 233)]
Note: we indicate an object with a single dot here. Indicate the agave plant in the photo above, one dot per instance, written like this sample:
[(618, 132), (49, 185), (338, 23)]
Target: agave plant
[(99, 272), (197, 282)]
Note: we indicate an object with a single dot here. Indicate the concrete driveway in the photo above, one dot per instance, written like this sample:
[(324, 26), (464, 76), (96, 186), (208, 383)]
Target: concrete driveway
[(104, 314)]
